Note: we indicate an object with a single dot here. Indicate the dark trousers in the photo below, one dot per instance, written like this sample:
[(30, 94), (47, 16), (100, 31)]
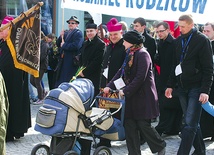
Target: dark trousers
[(135, 127), (191, 132), (207, 124), (36, 82), (51, 79), (207, 121), (170, 120)]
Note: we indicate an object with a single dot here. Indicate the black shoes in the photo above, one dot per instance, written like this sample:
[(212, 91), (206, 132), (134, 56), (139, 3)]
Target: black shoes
[(142, 141), (162, 152), (9, 139), (203, 153), (104, 142)]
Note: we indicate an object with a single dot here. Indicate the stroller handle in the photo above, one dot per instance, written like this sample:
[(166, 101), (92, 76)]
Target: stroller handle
[(120, 101), (110, 91)]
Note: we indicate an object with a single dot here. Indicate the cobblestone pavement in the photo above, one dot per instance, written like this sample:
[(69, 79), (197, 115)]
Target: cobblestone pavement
[(23, 146)]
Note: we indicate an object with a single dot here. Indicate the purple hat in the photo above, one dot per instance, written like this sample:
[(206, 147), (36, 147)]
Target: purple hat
[(7, 19), (113, 25)]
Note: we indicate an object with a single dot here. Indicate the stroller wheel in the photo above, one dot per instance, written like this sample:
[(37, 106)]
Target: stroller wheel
[(102, 150), (40, 149), (71, 152)]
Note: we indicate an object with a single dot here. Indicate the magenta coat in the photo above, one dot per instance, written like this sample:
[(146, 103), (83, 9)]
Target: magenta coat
[(140, 94)]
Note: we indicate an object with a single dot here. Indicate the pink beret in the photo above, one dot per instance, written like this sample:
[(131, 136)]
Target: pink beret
[(7, 19), (113, 25)]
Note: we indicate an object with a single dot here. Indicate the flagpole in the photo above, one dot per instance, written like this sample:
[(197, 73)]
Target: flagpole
[(63, 20), (63, 15), (21, 16)]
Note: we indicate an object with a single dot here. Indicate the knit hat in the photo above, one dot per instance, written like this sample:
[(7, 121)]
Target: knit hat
[(7, 19), (133, 37), (113, 25), (73, 18), (90, 24)]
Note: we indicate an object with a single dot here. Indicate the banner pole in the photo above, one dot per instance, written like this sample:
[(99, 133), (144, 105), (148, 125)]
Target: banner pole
[(21, 16), (63, 15), (63, 20)]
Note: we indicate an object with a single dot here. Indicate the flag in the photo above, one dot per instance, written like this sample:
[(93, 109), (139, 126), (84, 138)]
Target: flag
[(24, 43), (97, 17)]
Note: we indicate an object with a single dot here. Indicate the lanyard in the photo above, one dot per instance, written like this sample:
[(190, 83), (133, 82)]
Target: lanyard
[(184, 47), (125, 62)]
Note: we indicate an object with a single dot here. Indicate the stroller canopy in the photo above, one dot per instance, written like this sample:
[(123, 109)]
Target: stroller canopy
[(84, 90)]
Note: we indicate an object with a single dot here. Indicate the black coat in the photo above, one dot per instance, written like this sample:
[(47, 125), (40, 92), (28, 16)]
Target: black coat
[(16, 82), (140, 94), (150, 45), (197, 65), (166, 51), (113, 58), (91, 57)]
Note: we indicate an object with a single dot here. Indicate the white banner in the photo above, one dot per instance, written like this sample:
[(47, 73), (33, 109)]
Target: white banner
[(201, 10)]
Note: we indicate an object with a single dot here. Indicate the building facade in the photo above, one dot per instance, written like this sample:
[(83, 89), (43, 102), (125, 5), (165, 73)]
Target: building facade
[(53, 17)]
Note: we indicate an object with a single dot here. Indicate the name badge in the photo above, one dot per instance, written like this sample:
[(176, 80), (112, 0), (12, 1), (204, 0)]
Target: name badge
[(178, 70), (119, 83), (105, 73)]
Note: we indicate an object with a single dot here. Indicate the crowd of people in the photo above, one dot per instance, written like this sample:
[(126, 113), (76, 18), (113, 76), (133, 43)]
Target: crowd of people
[(166, 77)]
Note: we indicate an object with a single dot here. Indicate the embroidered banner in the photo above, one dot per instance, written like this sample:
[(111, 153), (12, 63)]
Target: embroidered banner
[(24, 43)]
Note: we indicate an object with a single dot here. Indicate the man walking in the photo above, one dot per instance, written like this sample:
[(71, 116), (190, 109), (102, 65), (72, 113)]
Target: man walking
[(192, 72), (170, 109)]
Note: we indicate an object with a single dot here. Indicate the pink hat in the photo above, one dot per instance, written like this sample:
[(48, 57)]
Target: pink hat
[(113, 25), (7, 19)]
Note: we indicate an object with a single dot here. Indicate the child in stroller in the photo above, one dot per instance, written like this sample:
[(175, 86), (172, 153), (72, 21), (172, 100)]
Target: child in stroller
[(68, 118)]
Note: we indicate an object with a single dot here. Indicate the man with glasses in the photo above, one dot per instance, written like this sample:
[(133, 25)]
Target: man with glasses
[(170, 110), (69, 43)]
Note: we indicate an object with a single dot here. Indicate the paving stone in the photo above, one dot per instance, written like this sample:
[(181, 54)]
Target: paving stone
[(24, 145)]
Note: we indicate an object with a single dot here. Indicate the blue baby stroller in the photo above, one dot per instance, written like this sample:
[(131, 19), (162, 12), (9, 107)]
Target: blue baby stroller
[(68, 117)]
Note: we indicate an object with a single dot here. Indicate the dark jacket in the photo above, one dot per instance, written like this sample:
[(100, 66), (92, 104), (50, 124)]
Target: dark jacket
[(166, 50), (150, 45), (73, 42), (91, 57), (140, 94), (44, 55), (113, 58), (197, 64)]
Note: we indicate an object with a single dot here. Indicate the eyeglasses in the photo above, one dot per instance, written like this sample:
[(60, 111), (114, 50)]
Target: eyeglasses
[(204, 31), (71, 23), (160, 31)]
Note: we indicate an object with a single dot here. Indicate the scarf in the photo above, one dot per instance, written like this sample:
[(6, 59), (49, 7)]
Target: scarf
[(131, 54)]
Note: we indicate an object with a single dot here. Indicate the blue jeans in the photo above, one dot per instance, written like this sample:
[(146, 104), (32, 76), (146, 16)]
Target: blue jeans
[(30, 87), (191, 132)]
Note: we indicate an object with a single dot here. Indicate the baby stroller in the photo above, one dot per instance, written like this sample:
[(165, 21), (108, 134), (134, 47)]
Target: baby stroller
[(68, 117)]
